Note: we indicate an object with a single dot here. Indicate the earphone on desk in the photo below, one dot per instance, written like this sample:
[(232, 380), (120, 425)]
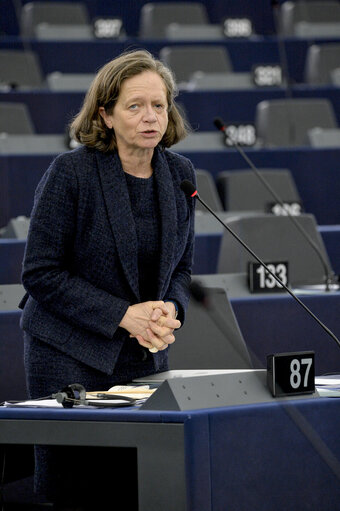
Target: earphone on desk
[(75, 394), (71, 395)]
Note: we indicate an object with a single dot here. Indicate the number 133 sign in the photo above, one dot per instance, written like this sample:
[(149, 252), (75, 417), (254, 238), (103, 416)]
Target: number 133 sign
[(261, 281)]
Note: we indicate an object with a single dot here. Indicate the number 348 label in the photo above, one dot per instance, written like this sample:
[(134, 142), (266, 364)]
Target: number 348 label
[(261, 281)]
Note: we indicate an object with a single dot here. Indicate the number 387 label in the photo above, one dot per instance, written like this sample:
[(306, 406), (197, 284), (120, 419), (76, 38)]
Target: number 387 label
[(263, 281)]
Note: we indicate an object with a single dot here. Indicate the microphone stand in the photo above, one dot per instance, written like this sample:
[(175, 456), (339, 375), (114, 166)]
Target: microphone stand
[(282, 51)]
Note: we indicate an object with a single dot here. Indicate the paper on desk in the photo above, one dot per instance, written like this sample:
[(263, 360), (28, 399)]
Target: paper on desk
[(52, 403), (324, 391), (328, 386), (187, 373), (332, 380), (140, 392), (41, 403)]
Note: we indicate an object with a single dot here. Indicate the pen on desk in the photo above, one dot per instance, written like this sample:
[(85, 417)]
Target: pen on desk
[(122, 392)]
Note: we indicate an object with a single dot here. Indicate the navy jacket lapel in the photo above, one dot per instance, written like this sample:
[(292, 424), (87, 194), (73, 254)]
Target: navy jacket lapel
[(117, 201), (168, 212), (118, 207)]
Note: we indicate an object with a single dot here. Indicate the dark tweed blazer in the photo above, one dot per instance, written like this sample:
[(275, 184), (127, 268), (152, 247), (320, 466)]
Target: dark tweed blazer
[(80, 268)]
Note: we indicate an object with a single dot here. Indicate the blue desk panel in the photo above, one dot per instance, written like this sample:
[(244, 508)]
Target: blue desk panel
[(316, 174), (331, 238), (19, 177), (12, 376), (277, 324), (265, 457), (271, 458), (11, 257)]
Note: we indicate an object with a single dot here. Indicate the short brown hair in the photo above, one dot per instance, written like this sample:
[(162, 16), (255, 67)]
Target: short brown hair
[(89, 128)]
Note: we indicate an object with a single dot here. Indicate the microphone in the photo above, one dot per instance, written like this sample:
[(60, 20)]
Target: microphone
[(329, 278), (189, 189)]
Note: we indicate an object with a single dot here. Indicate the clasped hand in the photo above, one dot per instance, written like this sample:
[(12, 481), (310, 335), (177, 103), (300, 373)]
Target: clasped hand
[(152, 323)]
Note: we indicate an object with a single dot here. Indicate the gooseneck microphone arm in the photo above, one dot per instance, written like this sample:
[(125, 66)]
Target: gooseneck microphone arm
[(219, 124), (282, 49), (189, 189)]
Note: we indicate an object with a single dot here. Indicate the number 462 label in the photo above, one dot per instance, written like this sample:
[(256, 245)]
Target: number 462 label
[(261, 281)]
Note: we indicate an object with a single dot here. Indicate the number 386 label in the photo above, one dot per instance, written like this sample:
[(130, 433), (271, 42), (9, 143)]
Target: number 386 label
[(291, 373), (261, 281)]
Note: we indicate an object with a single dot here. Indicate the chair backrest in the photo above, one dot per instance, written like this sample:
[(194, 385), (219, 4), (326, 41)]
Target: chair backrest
[(155, 17), (285, 122), (190, 32), (321, 60), (10, 296), (210, 337), (55, 13), (16, 228), (15, 119), (293, 13), (184, 61), (75, 82), (220, 81), (207, 189), (275, 239), (20, 68), (318, 137), (33, 144), (201, 141), (335, 77), (49, 32), (242, 190)]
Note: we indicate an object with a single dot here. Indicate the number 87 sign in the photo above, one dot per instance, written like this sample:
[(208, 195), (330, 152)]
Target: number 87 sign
[(291, 373)]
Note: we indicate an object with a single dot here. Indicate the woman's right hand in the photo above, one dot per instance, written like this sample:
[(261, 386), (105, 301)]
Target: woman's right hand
[(137, 322)]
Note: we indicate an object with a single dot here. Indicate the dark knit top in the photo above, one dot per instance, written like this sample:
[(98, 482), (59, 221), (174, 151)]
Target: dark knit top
[(145, 210)]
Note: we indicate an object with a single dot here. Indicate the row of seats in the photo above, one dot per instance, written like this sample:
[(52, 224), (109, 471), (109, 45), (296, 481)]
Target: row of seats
[(196, 67), (278, 123), (129, 12), (243, 190), (278, 239), (270, 191), (181, 19)]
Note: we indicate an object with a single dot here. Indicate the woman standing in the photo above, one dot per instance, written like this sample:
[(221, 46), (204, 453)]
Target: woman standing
[(109, 251)]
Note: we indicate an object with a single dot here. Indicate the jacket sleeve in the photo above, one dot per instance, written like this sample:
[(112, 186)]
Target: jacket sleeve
[(181, 277), (47, 273)]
